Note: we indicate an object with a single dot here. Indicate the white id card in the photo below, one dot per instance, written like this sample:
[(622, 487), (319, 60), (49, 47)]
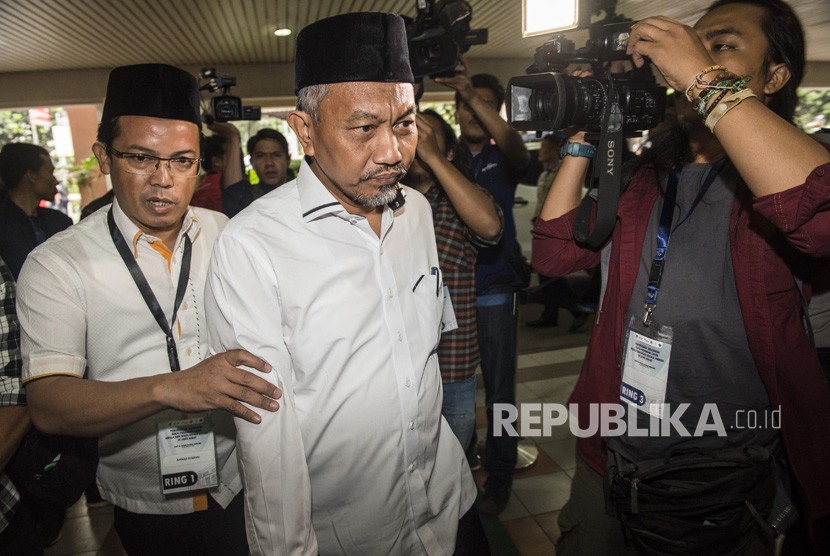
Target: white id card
[(187, 455), (646, 366), (448, 320)]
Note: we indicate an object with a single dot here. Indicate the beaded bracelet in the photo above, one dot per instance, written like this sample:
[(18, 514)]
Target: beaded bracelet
[(733, 84), (728, 103), (699, 79), (714, 103), (703, 101)]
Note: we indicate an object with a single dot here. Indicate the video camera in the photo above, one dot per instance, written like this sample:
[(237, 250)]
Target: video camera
[(608, 105), (439, 34), (226, 107), (550, 100)]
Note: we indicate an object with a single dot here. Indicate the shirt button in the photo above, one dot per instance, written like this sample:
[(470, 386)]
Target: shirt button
[(353, 220), (408, 383), (412, 425), (411, 466), (390, 293), (400, 337)]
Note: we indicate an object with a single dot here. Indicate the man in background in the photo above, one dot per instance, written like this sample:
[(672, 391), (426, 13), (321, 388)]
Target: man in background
[(28, 176), (499, 157), (269, 154), (465, 218)]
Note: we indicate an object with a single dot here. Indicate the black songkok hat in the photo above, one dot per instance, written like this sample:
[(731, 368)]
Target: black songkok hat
[(154, 90), (367, 46)]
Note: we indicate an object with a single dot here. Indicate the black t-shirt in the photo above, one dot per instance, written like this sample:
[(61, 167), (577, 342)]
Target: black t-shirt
[(20, 233)]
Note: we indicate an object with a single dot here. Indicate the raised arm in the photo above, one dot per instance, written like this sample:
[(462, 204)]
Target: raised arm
[(508, 140), (771, 154), (565, 192), (474, 206)]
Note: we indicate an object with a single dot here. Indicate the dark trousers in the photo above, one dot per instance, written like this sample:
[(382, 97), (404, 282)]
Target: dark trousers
[(471, 539), (22, 536), (497, 343), (213, 531), (555, 293)]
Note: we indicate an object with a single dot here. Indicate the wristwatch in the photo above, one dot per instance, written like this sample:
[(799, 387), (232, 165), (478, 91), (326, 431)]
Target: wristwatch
[(577, 149)]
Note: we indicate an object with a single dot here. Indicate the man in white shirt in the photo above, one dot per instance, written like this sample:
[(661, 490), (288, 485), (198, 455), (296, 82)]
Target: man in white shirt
[(99, 344), (334, 279)]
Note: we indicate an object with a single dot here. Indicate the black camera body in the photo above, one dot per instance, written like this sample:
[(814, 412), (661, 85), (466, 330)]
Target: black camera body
[(439, 35), (226, 107), (550, 100)]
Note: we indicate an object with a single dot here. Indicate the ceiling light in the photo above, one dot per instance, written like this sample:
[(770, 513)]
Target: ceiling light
[(282, 32), (540, 17)]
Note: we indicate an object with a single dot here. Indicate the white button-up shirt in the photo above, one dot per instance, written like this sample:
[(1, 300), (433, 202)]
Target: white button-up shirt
[(80, 309), (358, 459)]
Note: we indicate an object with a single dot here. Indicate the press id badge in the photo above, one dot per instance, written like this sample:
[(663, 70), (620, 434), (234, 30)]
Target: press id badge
[(646, 366), (187, 454)]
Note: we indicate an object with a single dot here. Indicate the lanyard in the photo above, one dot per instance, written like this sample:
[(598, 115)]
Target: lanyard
[(147, 292), (664, 230)]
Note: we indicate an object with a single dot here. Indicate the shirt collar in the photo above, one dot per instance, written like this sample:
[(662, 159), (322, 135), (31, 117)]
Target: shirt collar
[(132, 233), (316, 201)]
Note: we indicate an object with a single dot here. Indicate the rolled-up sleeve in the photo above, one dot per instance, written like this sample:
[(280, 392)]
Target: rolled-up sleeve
[(243, 312), (802, 212), (555, 251)]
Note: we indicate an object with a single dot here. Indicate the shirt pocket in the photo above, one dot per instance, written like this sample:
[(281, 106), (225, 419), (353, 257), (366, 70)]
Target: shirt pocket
[(429, 304)]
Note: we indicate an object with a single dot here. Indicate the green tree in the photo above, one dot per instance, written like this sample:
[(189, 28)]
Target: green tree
[(15, 127), (813, 111)]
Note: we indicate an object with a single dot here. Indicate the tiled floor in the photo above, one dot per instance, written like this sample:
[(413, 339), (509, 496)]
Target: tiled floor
[(540, 491), (549, 361)]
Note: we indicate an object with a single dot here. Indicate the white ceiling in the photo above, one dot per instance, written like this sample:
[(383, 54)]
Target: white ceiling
[(54, 35), (59, 52)]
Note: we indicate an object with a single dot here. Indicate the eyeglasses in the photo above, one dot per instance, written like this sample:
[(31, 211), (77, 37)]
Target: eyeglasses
[(146, 164)]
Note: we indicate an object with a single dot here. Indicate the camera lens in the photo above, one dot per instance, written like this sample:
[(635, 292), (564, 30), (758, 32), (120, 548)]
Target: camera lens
[(224, 110), (568, 101)]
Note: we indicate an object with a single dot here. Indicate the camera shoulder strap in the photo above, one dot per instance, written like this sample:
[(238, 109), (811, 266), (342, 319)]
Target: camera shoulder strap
[(608, 178)]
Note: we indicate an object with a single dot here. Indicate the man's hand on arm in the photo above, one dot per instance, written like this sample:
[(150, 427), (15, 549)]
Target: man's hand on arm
[(218, 383), (71, 405)]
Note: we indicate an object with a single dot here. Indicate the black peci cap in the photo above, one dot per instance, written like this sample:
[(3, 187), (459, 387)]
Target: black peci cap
[(364, 46), (154, 90)]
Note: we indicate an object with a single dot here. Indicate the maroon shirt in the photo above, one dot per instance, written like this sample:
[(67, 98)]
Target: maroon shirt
[(770, 304), (209, 192)]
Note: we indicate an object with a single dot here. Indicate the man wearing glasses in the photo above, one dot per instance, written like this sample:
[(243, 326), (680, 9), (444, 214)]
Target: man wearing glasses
[(113, 337)]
